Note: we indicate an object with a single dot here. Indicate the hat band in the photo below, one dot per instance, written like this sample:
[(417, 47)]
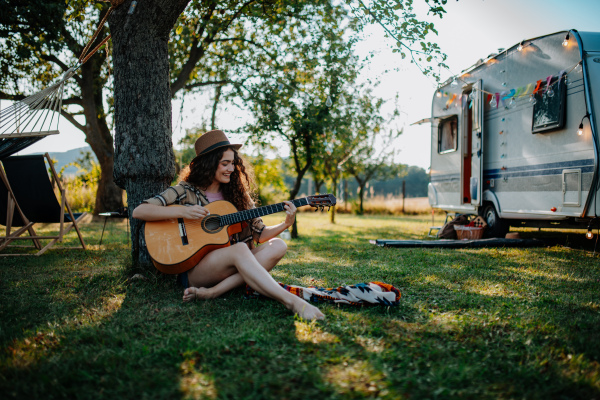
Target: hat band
[(214, 146)]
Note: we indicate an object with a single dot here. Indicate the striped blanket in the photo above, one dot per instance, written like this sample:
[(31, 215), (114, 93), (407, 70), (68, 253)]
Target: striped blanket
[(374, 293)]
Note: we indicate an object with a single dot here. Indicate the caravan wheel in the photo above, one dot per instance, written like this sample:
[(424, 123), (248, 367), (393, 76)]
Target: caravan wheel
[(497, 227)]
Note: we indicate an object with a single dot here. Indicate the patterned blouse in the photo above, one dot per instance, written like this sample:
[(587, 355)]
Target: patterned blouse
[(186, 194)]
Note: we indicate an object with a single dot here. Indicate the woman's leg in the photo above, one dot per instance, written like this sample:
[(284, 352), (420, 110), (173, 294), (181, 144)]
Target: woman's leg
[(221, 264), (267, 255)]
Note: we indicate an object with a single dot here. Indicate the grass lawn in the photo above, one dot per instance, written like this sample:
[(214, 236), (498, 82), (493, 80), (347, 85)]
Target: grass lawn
[(472, 323)]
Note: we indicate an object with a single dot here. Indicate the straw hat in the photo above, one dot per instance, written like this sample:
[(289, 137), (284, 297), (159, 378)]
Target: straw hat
[(213, 140)]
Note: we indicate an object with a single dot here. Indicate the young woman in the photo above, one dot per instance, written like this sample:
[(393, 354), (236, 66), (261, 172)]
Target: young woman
[(218, 173)]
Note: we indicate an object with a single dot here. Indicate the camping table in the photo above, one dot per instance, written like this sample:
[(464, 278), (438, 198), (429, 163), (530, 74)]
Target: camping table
[(112, 214)]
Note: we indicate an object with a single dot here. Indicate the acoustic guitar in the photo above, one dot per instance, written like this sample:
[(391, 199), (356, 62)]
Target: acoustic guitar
[(178, 244)]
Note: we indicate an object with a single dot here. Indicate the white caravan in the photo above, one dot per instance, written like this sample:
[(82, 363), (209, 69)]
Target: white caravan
[(515, 137)]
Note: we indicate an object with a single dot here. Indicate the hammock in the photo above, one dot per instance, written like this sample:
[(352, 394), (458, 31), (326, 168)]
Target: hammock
[(31, 119)]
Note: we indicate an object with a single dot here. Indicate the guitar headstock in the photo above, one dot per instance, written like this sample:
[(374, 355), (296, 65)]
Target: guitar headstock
[(321, 200)]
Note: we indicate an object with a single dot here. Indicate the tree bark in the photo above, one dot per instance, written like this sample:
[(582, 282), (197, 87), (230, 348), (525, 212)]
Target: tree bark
[(144, 159)]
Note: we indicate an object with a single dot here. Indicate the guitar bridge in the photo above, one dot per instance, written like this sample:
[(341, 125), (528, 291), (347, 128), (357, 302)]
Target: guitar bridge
[(182, 231)]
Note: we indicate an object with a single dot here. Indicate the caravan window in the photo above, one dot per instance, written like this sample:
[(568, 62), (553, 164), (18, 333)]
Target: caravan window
[(448, 135), (549, 111)]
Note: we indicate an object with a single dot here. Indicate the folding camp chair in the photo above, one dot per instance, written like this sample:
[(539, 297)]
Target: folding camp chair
[(28, 197)]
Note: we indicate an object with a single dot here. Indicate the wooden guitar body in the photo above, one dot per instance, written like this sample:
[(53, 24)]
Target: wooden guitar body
[(177, 245), (167, 245)]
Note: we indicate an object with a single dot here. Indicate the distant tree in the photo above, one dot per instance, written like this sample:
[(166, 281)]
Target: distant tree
[(373, 163), (269, 177), (416, 179), (292, 100), (358, 123)]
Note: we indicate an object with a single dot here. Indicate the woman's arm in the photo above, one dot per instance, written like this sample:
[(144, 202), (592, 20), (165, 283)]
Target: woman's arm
[(270, 232), (152, 212)]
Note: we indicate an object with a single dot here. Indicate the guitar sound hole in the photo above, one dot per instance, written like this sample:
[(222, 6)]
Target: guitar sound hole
[(211, 224)]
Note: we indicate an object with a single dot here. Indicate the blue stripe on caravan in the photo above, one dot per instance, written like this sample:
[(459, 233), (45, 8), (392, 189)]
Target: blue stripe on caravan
[(587, 166), (540, 169), (445, 178)]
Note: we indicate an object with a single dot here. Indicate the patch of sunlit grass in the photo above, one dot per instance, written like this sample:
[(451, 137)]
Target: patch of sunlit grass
[(195, 384)]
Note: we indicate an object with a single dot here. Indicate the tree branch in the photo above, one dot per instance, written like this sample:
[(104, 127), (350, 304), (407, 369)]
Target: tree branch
[(209, 83), (72, 120)]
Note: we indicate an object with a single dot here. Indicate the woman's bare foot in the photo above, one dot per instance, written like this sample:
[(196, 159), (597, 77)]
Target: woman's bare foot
[(305, 310), (193, 293)]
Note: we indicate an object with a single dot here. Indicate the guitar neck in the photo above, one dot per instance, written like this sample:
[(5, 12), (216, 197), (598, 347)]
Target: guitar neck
[(246, 215)]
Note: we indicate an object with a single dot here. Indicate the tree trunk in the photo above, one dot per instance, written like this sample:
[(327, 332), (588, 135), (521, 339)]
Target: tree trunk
[(109, 197), (144, 159), (361, 195), (213, 116)]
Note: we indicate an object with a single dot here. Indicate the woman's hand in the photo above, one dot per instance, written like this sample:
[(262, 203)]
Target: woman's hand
[(194, 212), (290, 213)]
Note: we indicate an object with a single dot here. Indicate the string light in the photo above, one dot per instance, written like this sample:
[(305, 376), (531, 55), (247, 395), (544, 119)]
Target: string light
[(328, 102), (532, 99), (316, 102), (454, 83), (589, 234), (550, 92), (566, 41), (438, 94), (494, 102), (520, 48), (580, 129)]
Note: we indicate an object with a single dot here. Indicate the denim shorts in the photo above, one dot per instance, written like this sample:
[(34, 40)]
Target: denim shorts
[(182, 280)]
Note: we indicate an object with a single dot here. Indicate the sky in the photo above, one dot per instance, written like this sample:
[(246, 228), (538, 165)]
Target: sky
[(470, 30)]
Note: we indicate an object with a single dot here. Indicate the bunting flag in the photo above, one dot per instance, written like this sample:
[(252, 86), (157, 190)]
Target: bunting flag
[(540, 86)]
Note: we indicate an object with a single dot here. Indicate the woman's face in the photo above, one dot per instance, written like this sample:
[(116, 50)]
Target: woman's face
[(225, 167)]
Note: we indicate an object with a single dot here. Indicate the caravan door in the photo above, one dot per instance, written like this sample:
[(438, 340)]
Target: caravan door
[(475, 107)]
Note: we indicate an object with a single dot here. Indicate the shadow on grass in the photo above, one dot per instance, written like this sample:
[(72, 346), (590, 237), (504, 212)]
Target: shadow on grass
[(486, 323)]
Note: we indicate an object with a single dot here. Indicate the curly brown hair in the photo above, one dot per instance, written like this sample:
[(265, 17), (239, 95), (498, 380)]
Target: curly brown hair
[(240, 189)]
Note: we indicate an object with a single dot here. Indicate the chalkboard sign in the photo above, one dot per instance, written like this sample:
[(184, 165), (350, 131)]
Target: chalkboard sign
[(549, 111)]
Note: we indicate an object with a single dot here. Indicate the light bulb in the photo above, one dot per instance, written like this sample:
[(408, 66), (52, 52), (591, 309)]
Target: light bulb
[(578, 68), (316, 102), (454, 83), (589, 234), (520, 48), (328, 102), (567, 81), (566, 41), (550, 92), (493, 102), (580, 129), (532, 99), (438, 94), (512, 103), (342, 100), (472, 95)]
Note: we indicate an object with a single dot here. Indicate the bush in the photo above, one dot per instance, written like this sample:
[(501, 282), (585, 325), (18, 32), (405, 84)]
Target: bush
[(81, 188)]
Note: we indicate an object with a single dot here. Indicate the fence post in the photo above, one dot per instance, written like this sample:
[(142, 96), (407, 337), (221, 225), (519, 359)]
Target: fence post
[(403, 194)]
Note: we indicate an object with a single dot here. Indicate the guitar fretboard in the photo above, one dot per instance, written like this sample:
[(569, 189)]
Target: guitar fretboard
[(230, 219)]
